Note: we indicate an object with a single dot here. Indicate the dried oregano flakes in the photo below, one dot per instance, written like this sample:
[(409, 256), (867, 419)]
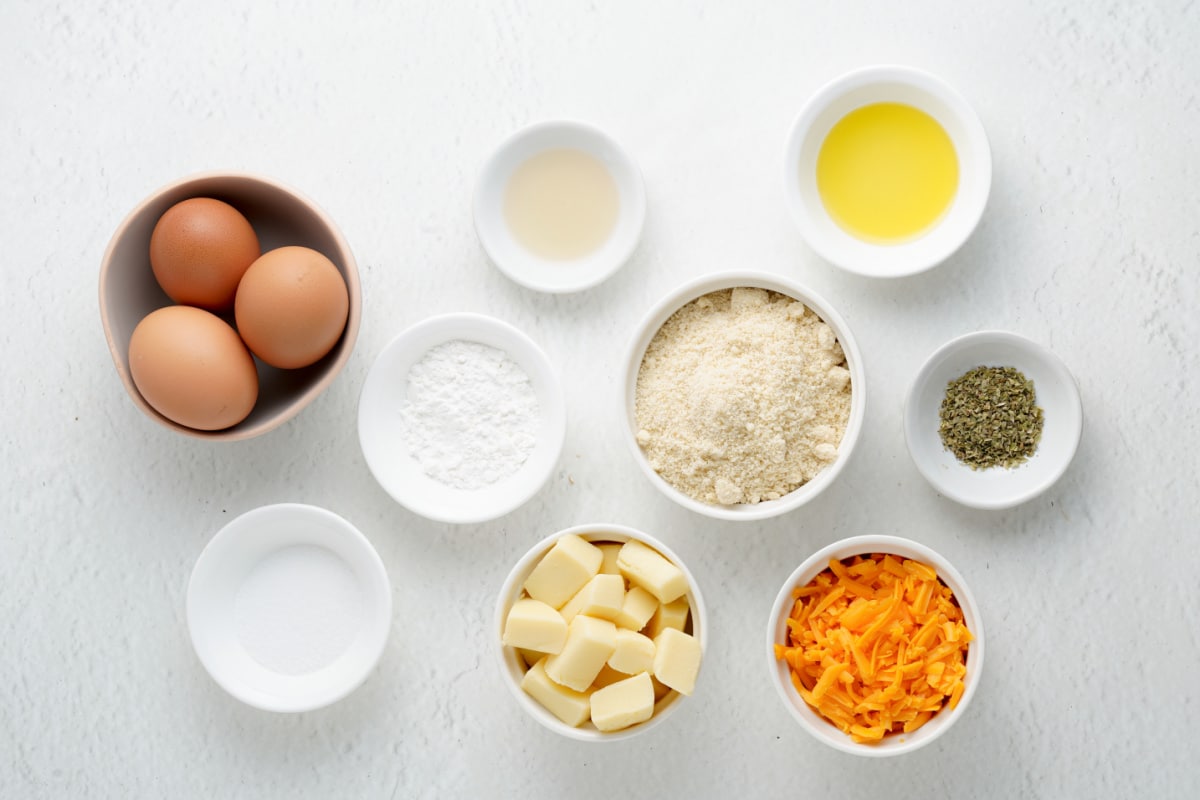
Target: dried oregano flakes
[(990, 418)]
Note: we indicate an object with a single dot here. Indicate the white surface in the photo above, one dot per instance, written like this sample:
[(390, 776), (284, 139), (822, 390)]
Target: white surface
[(512, 670), (1055, 392), (656, 317), (887, 84), (381, 431), (814, 723), (382, 114), (518, 262), (232, 562)]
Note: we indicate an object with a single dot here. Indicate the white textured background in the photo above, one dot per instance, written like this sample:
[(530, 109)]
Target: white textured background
[(383, 112)]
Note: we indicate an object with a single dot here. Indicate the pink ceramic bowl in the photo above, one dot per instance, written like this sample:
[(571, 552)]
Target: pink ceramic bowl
[(280, 216)]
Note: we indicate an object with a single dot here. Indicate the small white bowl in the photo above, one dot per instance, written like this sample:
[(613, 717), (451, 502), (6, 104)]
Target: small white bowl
[(999, 487), (814, 723), (381, 432), (224, 567), (512, 668), (886, 84), (530, 269), (661, 312)]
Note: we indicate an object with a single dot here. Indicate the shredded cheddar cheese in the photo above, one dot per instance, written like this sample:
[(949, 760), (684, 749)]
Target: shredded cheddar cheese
[(876, 645)]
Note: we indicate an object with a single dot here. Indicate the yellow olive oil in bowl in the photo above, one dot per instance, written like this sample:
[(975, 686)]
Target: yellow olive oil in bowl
[(887, 172)]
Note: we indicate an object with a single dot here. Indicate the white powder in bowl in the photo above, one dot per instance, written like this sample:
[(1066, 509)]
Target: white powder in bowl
[(298, 610), (471, 416), (742, 396)]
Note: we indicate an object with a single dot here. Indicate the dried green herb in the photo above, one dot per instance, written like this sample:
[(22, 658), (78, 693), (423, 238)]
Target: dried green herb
[(990, 418)]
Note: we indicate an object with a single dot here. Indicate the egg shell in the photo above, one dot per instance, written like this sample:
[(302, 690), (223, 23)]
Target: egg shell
[(199, 250), (193, 368), (291, 307)]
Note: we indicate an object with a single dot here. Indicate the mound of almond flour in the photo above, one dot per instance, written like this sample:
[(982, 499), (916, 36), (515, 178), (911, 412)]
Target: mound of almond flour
[(743, 395)]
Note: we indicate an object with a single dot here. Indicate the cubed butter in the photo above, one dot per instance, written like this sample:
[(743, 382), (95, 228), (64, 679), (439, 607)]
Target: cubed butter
[(637, 608), (609, 565), (568, 705), (668, 615), (677, 660), (634, 653), (623, 703), (601, 597), (563, 571), (607, 677), (533, 625), (590, 642), (646, 567), (530, 657)]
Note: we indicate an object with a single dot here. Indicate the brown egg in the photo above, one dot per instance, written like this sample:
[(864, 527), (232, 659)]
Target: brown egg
[(193, 368), (291, 307), (199, 251)]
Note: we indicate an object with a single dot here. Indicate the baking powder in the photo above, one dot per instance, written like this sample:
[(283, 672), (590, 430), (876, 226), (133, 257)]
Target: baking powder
[(471, 416)]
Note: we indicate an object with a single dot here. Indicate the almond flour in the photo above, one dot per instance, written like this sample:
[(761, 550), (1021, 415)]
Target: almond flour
[(743, 395)]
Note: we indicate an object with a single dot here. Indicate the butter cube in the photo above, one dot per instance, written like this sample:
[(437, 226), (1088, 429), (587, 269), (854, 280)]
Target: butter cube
[(530, 657), (533, 625), (570, 706), (644, 566), (590, 642), (623, 703), (677, 660), (601, 597), (609, 565), (637, 608), (563, 571), (669, 615), (634, 653), (607, 677)]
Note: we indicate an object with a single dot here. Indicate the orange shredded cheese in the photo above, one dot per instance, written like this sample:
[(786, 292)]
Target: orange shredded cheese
[(877, 645)]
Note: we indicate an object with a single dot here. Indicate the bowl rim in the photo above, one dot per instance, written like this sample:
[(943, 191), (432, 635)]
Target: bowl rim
[(1018, 344), (336, 534), (599, 265), (809, 720), (905, 258), (532, 359), (509, 662), (301, 400), (675, 299)]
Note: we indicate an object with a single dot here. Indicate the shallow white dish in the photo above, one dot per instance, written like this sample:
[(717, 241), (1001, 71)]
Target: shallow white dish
[(1056, 393), (222, 570), (513, 669), (814, 723), (886, 84), (663, 310), (381, 432), (516, 261)]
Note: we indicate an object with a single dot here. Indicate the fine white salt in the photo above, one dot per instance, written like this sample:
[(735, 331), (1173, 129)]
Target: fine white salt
[(298, 610)]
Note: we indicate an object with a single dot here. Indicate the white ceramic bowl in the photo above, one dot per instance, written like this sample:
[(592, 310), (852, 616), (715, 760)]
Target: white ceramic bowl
[(512, 668), (223, 569), (530, 269), (381, 432), (886, 84), (809, 719), (1056, 393), (663, 310)]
